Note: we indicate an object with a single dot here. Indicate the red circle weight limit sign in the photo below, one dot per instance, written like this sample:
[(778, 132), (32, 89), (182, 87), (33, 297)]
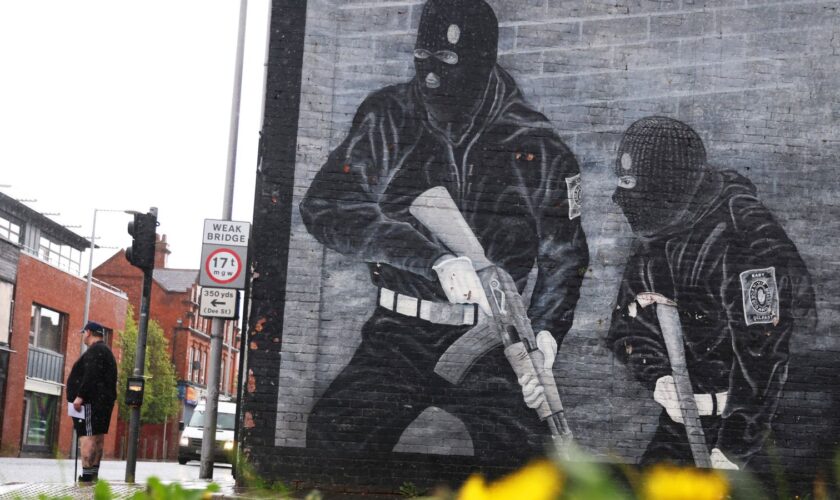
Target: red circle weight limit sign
[(223, 266)]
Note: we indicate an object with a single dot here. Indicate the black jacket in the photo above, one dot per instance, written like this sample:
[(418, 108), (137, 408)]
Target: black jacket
[(714, 266), (94, 376), (508, 172)]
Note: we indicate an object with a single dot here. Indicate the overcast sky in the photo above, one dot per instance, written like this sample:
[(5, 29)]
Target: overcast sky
[(126, 105)]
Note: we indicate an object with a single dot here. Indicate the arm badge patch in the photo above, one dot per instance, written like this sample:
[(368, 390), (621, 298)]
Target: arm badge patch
[(760, 296)]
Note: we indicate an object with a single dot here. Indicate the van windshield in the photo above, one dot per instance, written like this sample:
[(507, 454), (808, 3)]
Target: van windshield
[(224, 421)]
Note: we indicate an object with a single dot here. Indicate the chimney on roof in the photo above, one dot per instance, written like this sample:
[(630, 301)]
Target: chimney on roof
[(161, 251)]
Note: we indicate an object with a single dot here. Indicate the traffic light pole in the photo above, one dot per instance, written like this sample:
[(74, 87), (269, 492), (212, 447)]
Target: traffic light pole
[(139, 366), (211, 407)]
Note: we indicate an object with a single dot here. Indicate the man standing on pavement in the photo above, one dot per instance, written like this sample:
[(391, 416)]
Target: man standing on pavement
[(706, 244), (463, 124), (92, 388)]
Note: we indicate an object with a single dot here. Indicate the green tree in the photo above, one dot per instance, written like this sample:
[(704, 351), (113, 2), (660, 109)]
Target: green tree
[(160, 398)]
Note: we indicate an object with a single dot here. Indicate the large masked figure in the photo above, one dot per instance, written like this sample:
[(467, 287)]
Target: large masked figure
[(460, 123), (706, 243)]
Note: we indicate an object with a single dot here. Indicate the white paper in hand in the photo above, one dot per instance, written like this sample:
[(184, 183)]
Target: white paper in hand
[(71, 410)]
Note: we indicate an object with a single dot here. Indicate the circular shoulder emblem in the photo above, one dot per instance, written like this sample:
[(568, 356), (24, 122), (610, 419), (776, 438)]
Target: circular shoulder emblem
[(761, 297), (576, 194)]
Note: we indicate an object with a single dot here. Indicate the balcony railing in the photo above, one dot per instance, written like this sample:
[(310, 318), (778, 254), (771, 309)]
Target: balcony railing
[(45, 365)]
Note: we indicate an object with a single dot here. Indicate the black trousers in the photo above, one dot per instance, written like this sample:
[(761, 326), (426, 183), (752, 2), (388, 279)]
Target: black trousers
[(670, 441), (97, 420), (390, 381)]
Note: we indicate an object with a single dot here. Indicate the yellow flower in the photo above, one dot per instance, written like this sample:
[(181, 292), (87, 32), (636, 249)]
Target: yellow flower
[(537, 481), (665, 482)]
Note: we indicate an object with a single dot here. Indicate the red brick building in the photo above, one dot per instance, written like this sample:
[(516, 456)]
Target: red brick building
[(39, 341), (174, 305)]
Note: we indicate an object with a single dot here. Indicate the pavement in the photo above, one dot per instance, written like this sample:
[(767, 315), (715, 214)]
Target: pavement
[(31, 477)]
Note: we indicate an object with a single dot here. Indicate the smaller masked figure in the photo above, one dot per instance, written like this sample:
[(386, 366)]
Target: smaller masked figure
[(706, 243)]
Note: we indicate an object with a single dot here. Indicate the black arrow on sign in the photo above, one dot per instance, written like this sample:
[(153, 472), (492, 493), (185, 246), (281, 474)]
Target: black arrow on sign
[(216, 303)]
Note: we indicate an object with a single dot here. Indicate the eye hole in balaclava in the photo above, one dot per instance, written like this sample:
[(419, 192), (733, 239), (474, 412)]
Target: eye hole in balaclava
[(659, 166), (455, 52)]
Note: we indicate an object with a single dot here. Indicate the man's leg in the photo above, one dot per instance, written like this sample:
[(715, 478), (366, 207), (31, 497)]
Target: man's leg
[(490, 404), (98, 445), (377, 395), (100, 419), (364, 409), (90, 466), (670, 441), (87, 444)]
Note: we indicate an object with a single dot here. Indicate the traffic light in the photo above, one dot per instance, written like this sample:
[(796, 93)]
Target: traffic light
[(142, 251)]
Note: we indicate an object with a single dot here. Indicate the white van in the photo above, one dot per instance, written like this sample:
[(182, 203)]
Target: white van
[(190, 445)]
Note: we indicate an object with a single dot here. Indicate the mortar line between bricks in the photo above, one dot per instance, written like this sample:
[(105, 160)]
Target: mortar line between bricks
[(660, 96), (676, 12), (598, 72), (579, 46), (375, 5), (646, 69), (368, 34)]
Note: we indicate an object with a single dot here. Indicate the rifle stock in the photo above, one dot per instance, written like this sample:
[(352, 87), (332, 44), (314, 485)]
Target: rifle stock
[(436, 210), (671, 327)]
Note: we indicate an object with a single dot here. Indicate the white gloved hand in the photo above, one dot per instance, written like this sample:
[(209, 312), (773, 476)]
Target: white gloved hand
[(460, 282), (548, 347), (532, 391), (719, 460), (665, 394)]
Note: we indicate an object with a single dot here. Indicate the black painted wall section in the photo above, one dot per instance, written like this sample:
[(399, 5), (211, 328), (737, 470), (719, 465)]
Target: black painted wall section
[(270, 241)]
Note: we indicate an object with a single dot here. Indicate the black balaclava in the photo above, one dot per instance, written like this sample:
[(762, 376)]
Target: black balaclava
[(660, 164), (455, 52)]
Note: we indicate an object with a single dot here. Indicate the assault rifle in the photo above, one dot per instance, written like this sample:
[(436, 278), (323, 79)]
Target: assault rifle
[(509, 323)]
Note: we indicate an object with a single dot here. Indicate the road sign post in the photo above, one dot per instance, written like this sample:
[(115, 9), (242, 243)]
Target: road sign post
[(218, 303), (224, 255)]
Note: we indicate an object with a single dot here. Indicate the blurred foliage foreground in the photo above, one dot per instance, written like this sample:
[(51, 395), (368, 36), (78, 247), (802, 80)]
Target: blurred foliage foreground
[(558, 479), (582, 479)]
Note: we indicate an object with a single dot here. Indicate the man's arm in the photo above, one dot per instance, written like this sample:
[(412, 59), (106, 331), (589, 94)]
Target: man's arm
[(563, 254), (767, 293), (342, 208), (635, 337)]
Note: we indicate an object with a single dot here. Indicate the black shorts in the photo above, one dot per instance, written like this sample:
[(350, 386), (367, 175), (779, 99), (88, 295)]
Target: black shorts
[(97, 420)]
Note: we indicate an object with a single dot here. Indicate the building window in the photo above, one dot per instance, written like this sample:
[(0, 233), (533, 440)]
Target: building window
[(203, 367), (194, 365), (39, 423), (46, 328), (9, 229), (61, 256), (7, 292)]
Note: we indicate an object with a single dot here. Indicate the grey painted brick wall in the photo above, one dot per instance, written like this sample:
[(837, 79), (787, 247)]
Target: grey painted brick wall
[(756, 79)]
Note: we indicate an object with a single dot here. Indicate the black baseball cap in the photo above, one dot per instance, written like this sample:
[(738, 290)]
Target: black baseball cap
[(94, 327)]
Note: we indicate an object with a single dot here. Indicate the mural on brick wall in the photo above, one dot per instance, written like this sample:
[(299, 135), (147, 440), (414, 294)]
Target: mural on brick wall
[(712, 295), (519, 223), (449, 270)]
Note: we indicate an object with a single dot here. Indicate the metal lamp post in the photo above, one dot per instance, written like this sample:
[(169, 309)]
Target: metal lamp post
[(90, 260)]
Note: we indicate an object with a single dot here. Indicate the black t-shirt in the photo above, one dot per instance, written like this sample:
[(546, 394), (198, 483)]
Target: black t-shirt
[(94, 376)]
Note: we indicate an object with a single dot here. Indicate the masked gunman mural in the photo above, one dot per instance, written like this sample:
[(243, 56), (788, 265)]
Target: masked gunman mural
[(711, 297), (450, 268)]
